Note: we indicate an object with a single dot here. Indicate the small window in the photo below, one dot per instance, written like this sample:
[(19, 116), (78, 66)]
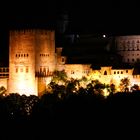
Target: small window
[(40, 69), (63, 60), (132, 60), (105, 73), (114, 72), (16, 70), (27, 70), (44, 69), (118, 72), (72, 72), (27, 55), (121, 72), (16, 55), (21, 55), (128, 60), (24, 55), (126, 71)]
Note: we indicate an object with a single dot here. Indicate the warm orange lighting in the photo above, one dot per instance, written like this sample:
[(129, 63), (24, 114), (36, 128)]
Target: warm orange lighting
[(106, 92)]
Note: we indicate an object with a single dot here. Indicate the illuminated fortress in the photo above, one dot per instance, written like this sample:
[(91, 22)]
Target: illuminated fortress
[(33, 58)]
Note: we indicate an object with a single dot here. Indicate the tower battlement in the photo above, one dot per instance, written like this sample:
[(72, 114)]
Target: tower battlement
[(34, 32)]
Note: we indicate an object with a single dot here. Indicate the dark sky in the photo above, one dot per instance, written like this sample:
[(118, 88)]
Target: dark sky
[(115, 18)]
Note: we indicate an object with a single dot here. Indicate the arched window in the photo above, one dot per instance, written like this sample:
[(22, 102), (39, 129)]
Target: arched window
[(105, 73)]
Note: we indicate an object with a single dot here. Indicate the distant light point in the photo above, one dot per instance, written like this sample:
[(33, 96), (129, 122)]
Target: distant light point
[(104, 36)]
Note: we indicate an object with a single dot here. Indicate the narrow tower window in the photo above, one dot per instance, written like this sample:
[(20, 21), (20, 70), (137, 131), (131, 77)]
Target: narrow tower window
[(27, 70), (105, 73), (16, 70)]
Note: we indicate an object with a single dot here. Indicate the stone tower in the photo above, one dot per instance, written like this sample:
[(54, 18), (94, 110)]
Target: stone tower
[(45, 59), (31, 58), (22, 62)]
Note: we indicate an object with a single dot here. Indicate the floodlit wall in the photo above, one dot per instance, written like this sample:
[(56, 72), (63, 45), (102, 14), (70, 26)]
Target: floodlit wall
[(45, 52), (22, 62), (77, 71), (3, 82), (129, 48)]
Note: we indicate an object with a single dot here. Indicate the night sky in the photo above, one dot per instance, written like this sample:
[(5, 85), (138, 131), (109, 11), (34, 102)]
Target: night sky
[(103, 17), (116, 17)]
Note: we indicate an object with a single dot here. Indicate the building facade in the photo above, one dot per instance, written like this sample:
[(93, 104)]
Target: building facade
[(129, 48), (33, 58)]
